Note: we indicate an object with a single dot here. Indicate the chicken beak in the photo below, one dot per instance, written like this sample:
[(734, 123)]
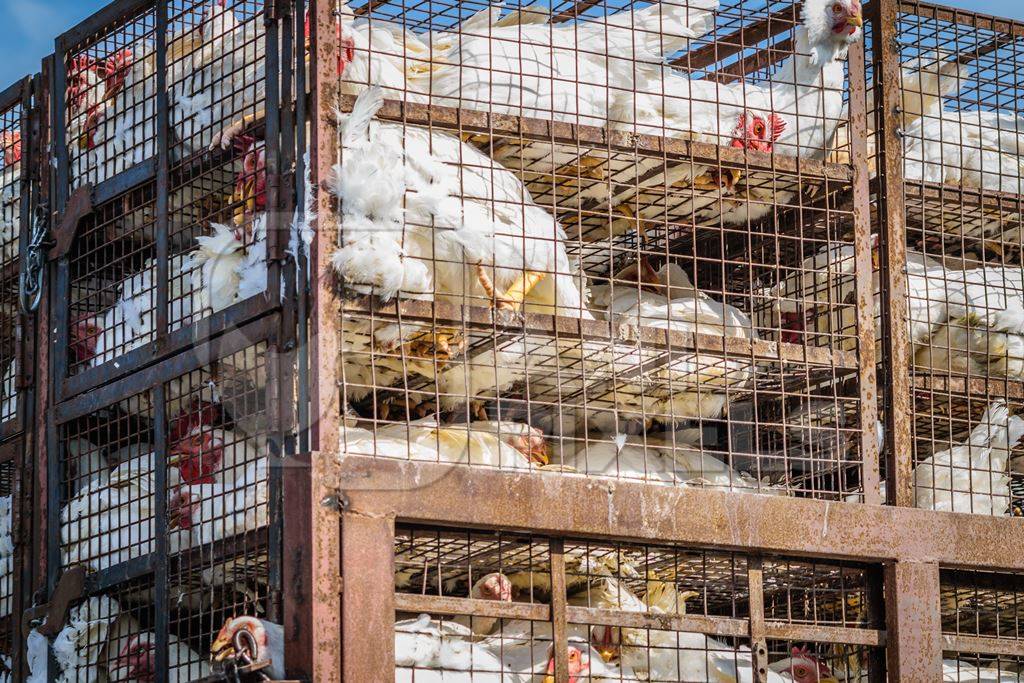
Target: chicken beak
[(830, 679), (855, 20), (549, 679), (221, 649), (730, 178)]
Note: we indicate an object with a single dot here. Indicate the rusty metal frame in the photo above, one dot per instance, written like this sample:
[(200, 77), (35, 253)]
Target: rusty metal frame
[(157, 170)]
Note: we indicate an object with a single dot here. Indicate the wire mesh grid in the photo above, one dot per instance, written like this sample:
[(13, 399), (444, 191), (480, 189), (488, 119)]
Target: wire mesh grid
[(955, 79), (200, 161), (982, 607), (12, 176), (181, 507), (630, 609), (662, 305)]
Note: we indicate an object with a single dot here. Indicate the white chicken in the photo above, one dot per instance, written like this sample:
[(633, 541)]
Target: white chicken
[(445, 651), (6, 558), (225, 81), (9, 398), (113, 518), (103, 643), (973, 477), (654, 459), (575, 72), (505, 445), (693, 385), (972, 148), (264, 637), (430, 217), (214, 511), (112, 106), (10, 195), (807, 93), (957, 671)]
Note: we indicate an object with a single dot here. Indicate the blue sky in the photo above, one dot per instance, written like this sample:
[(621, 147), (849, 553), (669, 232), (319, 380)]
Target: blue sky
[(32, 26)]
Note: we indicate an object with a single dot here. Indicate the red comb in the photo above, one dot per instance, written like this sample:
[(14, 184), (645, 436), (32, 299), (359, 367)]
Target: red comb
[(197, 414), (778, 125)]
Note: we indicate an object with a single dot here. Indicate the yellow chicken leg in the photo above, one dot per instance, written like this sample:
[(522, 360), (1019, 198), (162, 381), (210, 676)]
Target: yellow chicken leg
[(227, 136), (514, 297)]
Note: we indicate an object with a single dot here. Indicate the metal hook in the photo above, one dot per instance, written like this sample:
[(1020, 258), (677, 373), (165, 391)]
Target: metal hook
[(30, 290)]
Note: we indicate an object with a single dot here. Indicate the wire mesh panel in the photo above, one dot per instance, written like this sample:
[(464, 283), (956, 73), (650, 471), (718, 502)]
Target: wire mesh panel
[(632, 612), (14, 174), (981, 613), (166, 109), (953, 85), (657, 299), (170, 488)]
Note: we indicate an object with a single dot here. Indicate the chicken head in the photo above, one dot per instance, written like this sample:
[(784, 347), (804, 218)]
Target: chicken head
[(496, 587), (579, 665), (756, 132), (10, 143), (224, 645), (83, 337), (803, 667), (250, 194), (197, 452), (137, 660)]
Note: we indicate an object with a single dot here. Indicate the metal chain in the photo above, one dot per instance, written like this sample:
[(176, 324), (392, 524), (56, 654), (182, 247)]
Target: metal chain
[(31, 281)]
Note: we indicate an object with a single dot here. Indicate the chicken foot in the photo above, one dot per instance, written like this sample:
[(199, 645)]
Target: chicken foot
[(513, 298), (226, 137), (439, 345)]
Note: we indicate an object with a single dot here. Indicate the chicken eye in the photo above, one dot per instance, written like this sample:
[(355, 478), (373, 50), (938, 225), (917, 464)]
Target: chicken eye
[(800, 671), (837, 8), (759, 129)]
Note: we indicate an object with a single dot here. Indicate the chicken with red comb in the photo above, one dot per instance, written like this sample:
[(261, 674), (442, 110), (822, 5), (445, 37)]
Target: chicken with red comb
[(248, 640), (803, 667), (136, 661)]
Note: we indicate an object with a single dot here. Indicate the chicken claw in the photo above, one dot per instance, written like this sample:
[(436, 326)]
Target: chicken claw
[(226, 137), (509, 302), (438, 345)]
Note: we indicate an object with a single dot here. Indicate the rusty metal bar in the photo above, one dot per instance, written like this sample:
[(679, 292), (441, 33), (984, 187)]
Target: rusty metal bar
[(437, 604), (578, 135), (968, 18), (1006, 647), (898, 400), (738, 41), (311, 573), (866, 320), (325, 308), (758, 643), (576, 10), (368, 597), (761, 59), (559, 603), (913, 621), (704, 518)]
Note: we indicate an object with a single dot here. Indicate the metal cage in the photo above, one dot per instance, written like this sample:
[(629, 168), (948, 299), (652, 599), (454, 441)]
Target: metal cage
[(167, 138), (579, 341)]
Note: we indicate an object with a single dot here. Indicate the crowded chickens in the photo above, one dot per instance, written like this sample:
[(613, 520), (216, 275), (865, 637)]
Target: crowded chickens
[(482, 325)]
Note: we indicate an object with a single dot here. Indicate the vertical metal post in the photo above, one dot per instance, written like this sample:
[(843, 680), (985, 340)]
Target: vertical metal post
[(876, 616), (326, 309), (160, 545), (895, 329), (758, 645), (870, 473), (312, 571), (913, 622), (162, 177), (368, 598), (559, 602)]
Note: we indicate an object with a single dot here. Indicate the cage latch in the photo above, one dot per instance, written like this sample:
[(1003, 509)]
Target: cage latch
[(49, 618), (30, 285), (78, 207)]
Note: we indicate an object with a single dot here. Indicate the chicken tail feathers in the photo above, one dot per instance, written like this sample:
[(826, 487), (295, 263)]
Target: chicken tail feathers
[(357, 122)]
